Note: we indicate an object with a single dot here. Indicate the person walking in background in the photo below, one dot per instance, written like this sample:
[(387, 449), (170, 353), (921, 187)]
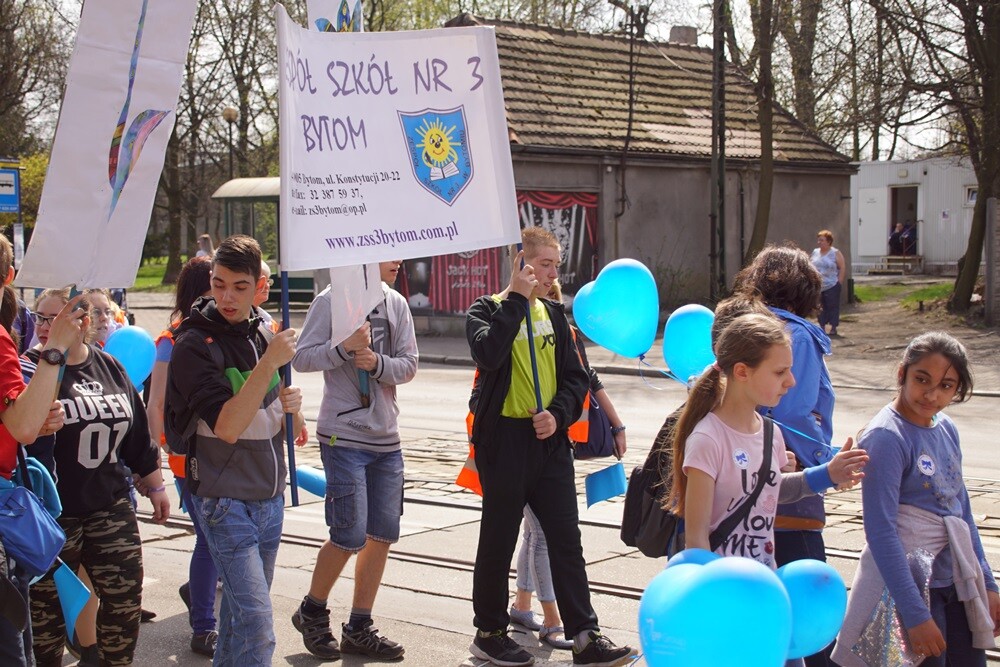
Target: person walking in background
[(226, 399), (103, 313), (262, 295), (524, 456), (785, 279), (105, 427), (198, 593), (205, 247), (832, 271), (360, 446), (922, 545)]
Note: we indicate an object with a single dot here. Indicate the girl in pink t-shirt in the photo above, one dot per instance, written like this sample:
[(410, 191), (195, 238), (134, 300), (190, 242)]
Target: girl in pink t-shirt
[(719, 444)]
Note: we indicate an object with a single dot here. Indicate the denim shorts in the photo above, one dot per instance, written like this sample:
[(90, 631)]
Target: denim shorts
[(364, 495)]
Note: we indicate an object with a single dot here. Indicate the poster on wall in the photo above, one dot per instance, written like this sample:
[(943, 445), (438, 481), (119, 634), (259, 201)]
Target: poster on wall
[(459, 279), (393, 145), (572, 217), (450, 283)]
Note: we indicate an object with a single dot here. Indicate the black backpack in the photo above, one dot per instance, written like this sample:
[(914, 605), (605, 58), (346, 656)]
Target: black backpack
[(645, 524), (180, 420), (657, 532)]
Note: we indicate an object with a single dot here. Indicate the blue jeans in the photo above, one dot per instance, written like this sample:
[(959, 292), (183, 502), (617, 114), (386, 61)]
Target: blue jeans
[(202, 575), (949, 614), (364, 495), (534, 574), (243, 537)]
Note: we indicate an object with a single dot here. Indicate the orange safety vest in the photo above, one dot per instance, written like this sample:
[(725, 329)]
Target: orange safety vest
[(175, 461), (578, 431)]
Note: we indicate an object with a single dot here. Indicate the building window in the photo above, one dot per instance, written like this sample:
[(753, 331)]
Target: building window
[(971, 192)]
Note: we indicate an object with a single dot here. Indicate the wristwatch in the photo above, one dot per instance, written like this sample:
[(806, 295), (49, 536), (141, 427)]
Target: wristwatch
[(53, 356), (615, 430)]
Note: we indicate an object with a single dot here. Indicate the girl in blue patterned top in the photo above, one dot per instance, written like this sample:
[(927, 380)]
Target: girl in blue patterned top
[(922, 539)]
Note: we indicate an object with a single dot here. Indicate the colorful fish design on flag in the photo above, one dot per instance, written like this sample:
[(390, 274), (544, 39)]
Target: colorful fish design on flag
[(126, 146)]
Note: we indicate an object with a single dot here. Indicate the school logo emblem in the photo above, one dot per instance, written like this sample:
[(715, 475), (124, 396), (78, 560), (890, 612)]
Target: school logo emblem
[(925, 464), (741, 459), (439, 153)]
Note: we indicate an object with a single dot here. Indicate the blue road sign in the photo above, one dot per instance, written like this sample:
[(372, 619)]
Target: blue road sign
[(10, 191)]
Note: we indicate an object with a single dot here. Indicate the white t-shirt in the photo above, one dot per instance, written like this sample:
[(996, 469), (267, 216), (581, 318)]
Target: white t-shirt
[(733, 460)]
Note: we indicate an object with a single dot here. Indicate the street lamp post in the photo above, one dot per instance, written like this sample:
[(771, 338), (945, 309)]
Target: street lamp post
[(230, 115)]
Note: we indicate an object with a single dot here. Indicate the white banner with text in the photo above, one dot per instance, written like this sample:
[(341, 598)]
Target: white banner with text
[(393, 145)]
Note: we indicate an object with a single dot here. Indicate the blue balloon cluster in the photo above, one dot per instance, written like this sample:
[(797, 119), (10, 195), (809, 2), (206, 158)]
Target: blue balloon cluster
[(135, 349), (687, 341), (707, 610), (620, 310)]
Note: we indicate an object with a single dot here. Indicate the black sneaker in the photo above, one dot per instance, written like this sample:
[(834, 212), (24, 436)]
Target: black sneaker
[(499, 649), (602, 652), (316, 635), (205, 644), (366, 641)]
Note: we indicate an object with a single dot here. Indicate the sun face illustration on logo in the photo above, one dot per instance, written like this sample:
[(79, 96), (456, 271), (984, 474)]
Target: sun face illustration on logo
[(439, 152)]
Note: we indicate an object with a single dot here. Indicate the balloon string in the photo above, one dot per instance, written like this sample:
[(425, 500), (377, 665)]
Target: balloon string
[(807, 437), (666, 374)]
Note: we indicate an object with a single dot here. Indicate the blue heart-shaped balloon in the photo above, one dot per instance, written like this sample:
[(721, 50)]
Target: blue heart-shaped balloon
[(621, 309)]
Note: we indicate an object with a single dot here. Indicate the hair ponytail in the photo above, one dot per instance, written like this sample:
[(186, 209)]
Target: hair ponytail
[(747, 339), (704, 396)]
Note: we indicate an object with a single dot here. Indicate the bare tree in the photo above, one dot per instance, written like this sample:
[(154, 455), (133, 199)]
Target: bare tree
[(957, 80), (765, 30), (797, 22), (34, 53)]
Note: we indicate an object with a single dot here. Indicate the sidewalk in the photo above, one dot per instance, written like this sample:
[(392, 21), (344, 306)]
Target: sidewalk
[(852, 368)]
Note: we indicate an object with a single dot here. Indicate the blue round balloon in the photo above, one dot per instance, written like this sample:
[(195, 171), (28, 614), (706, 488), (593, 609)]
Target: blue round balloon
[(732, 611), (819, 602), (135, 349), (687, 341), (693, 557), (621, 309)]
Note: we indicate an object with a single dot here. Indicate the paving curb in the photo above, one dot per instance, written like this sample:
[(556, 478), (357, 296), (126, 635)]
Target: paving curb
[(446, 360)]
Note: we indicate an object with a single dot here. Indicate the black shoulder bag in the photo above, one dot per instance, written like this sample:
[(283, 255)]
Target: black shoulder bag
[(721, 534)]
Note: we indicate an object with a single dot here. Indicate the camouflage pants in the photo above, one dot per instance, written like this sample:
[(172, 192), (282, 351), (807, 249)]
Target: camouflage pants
[(107, 544)]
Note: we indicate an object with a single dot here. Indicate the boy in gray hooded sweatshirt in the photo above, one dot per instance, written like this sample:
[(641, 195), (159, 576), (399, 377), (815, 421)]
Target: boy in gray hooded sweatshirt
[(359, 443)]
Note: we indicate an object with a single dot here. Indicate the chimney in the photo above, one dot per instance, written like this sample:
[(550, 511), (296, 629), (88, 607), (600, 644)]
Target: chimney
[(684, 34)]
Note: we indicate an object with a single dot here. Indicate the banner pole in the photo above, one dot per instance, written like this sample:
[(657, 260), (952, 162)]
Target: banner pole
[(287, 375), (531, 345)]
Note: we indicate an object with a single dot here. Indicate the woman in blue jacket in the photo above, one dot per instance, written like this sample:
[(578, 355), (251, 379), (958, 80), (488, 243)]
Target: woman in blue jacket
[(785, 279)]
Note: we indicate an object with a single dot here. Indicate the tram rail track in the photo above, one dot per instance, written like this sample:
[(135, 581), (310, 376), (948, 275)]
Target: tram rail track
[(616, 590)]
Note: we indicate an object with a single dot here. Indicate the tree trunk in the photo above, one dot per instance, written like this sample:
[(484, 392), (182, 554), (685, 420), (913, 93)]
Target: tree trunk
[(765, 117), (801, 41), (984, 53)]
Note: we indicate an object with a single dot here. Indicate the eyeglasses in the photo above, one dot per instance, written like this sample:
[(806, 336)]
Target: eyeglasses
[(40, 319), (107, 312)]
